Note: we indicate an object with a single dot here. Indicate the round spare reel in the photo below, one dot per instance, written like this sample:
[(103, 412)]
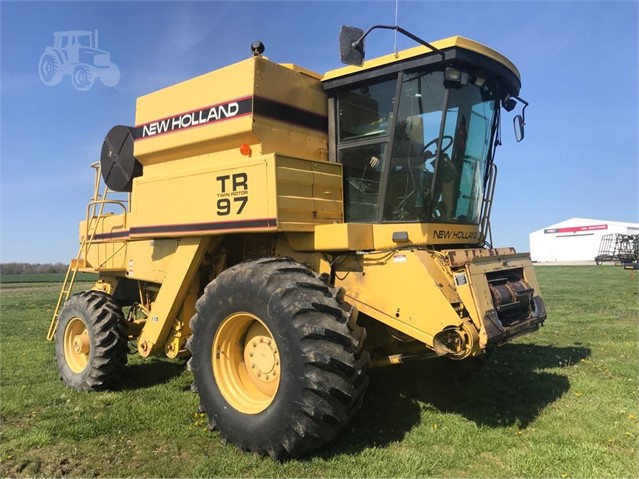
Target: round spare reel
[(117, 163)]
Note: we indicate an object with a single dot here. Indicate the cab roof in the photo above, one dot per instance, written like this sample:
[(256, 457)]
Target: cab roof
[(447, 45)]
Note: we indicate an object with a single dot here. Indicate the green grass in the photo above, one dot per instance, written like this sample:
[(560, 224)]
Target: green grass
[(559, 403)]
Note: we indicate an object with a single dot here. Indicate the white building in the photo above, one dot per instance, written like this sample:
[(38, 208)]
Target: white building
[(576, 239)]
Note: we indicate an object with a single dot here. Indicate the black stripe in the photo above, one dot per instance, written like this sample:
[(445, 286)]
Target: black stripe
[(261, 223), (289, 114), (103, 236)]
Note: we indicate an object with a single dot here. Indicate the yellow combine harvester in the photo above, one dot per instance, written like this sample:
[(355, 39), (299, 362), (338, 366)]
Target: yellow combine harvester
[(288, 229)]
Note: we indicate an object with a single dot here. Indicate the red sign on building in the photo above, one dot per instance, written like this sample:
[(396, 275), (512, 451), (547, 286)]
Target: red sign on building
[(576, 229)]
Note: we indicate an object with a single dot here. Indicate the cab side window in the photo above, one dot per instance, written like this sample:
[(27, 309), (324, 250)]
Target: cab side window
[(363, 124)]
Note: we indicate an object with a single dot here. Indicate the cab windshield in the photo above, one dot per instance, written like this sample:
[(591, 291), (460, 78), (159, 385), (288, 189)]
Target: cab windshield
[(431, 166)]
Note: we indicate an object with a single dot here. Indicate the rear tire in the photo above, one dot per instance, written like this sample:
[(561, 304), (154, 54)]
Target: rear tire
[(90, 342), (49, 69), (281, 318)]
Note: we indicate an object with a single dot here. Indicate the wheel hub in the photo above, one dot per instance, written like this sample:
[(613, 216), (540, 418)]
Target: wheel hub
[(76, 345), (81, 343), (261, 354), (246, 363)]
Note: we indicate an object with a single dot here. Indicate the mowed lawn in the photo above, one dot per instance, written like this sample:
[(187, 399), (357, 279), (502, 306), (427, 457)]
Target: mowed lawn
[(558, 403)]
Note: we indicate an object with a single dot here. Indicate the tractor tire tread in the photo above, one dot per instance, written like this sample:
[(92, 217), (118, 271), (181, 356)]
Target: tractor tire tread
[(105, 321), (334, 372)]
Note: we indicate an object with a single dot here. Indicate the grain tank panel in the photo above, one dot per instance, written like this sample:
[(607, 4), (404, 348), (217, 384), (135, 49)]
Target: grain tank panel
[(273, 108)]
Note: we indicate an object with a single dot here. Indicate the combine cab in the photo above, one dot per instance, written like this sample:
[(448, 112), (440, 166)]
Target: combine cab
[(285, 230)]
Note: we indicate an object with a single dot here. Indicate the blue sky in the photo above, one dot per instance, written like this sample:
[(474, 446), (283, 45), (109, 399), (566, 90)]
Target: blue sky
[(579, 72)]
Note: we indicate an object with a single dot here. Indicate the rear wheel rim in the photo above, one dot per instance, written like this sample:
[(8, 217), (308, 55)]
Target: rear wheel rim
[(76, 345), (246, 363)]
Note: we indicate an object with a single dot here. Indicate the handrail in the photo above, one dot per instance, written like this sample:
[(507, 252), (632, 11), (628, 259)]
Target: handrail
[(487, 204)]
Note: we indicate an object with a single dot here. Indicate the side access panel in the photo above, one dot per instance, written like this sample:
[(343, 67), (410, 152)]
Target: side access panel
[(263, 194), (402, 289)]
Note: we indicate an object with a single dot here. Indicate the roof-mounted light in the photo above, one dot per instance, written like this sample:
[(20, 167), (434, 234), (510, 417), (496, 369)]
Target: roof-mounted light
[(479, 82), (452, 74), (455, 75)]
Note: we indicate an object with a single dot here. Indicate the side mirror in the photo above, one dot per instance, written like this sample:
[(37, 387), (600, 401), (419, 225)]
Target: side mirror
[(351, 52), (518, 124)]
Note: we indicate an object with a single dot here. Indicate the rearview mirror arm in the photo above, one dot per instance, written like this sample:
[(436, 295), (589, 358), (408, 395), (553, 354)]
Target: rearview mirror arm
[(399, 29), (523, 110)]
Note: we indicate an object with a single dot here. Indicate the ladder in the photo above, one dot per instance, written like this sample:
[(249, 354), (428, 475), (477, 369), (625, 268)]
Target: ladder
[(87, 240), (67, 286)]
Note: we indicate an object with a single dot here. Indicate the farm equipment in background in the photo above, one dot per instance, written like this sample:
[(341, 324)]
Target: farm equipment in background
[(620, 249), (76, 53), (286, 229)]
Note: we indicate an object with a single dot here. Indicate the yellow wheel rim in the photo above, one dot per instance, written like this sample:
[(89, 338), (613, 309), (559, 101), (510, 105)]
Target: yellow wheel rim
[(76, 345), (246, 363)]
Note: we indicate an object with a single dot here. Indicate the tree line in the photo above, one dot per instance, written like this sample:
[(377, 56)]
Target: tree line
[(32, 268)]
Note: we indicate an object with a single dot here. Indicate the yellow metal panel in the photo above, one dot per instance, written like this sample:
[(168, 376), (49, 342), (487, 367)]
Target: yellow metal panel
[(179, 276), (106, 243), (229, 84), (299, 69), (364, 236), (397, 289), (148, 260), (277, 137), (327, 209), (291, 111), (107, 227), (343, 237), (272, 107), (424, 233), (308, 192), (213, 199), (195, 141), (455, 41), (289, 87)]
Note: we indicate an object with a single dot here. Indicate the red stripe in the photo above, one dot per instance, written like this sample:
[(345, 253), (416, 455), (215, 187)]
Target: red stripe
[(575, 229)]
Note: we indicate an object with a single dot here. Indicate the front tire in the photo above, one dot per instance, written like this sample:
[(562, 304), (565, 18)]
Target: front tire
[(82, 77), (276, 368), (90, 342), (111, 77)]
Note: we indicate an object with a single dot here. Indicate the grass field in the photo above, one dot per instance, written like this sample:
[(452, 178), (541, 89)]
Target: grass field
[(558, 403), (43, 278)]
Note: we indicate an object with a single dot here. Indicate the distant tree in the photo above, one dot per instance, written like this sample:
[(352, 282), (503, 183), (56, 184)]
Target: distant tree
[(32, 268)]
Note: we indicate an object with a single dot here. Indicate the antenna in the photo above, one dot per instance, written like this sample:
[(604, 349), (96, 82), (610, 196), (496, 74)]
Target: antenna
[(396, 11)]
